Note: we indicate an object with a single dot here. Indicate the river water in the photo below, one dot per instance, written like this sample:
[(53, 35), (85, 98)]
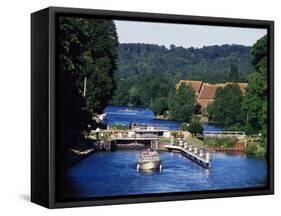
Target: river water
[(114, 173), (125, 115)]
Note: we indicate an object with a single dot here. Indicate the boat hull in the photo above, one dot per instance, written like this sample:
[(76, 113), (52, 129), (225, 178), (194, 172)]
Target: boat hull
[(149, 165)]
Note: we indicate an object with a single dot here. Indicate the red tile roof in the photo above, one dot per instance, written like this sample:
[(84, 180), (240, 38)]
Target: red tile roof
[(208, 90), (196, 85)]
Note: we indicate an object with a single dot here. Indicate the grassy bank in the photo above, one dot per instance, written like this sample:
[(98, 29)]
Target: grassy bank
[(219, 142), (192, 140)]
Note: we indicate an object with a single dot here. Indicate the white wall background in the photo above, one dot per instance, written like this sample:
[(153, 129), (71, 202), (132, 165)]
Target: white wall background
[(15, 106)]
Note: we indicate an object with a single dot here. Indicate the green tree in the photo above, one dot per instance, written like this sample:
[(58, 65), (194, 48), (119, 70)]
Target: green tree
[(226, 108), (184, 126), (142, 89), (210, 112), (234, 73), (209, 63), (87, 50), (98, 62), (160, 105), (255, 101), (195, 128), (181, 103), (259, 52)]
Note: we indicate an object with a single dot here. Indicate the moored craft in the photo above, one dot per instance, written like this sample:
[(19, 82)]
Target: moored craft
[(149, 160)]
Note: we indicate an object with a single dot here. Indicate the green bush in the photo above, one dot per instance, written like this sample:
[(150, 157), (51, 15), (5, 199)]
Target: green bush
[(255, 150), (236, 127), (159, 106), (218, 142), (184, 126), (251, 149), (195, 128), (261, 152)]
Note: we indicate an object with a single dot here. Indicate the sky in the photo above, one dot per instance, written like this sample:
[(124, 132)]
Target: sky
[(185, 35)]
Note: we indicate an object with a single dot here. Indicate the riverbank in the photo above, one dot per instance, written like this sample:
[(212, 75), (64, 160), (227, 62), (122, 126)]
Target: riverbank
[(161, 117), (75, 156), (80, 152)]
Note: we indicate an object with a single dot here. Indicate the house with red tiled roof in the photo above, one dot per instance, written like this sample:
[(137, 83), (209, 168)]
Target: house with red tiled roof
[(195, 84), (205, 92)]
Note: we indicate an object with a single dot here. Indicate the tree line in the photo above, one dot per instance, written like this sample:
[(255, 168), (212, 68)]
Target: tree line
[(147, 73), (231, 110), (248, 113), (209, 63), (87, 56)]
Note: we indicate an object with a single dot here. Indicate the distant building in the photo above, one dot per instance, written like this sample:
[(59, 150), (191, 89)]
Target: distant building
[(205, 92), (196, 85)]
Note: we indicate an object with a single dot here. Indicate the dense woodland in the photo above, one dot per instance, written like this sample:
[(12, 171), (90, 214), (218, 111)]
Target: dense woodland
[(148, 72), (209, 63)]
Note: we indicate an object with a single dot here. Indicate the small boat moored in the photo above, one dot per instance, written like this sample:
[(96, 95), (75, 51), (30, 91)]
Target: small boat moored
[(149, 160)]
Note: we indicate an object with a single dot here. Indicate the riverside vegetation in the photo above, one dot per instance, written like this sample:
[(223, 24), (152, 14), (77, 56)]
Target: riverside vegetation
[(145, 75)]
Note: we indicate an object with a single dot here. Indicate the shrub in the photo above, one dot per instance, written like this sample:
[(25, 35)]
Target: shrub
[(255, 150), (218, 142), (184, 126), (195, 128)]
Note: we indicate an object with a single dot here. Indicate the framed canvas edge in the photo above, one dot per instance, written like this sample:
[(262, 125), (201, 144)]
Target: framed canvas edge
[(53, 11)]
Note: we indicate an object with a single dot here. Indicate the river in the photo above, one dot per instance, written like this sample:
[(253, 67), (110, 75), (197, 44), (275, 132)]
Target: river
[(114, 173), (125, 115)]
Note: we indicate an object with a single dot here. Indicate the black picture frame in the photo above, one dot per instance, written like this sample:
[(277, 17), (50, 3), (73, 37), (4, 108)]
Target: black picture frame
[(43, 100)]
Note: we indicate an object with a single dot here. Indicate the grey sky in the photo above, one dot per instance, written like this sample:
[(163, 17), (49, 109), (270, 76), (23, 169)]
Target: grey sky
[(185, 35)]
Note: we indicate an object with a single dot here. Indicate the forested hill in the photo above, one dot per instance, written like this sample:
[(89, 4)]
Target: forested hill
[(209, 63)]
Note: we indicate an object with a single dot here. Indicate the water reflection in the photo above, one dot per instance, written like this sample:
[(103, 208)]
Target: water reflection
[(114, 173)]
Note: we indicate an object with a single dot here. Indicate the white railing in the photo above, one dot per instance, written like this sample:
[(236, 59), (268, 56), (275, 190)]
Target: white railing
[(199, 153), (134, 136), (150, 127), (224, 133)]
